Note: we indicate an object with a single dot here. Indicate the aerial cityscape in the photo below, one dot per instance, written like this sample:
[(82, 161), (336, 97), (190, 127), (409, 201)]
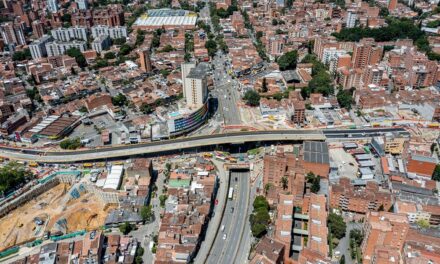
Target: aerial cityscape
[(220, 131)]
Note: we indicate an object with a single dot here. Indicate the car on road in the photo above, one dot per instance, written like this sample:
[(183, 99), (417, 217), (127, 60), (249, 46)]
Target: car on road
[(224, 236), (232, 210), (223, 228)]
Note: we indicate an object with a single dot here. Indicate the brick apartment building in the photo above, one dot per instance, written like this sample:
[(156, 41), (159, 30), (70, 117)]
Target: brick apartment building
[(359, 200), (384, 235)]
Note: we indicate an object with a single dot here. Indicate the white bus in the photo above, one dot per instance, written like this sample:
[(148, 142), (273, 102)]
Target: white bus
[(231, 193)]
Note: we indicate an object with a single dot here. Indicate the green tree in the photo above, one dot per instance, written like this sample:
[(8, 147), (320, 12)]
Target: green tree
[(211, 46), (146, 213), (260, 202), (79, 57), (288, 60), (314, 181), (83, 109), (126, 228), (345, 99), (71, 144), (252, 98), (320, 83), (110, 56), (25, 54), (436, 173), (125, 49), (138, 257), (163, 198), (267, 187), (284, 182), (146, 108), (168, 48), (12, 175), (336, 225), (119, 100), (119, 41), (260, 218)]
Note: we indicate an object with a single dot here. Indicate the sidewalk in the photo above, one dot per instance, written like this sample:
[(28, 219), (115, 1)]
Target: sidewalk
[(214, 223)]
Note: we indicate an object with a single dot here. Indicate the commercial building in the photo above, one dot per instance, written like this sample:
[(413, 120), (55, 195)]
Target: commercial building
[(166, 18), (112, 32), (57, 48), (38, 47), (68, 34), (101, 43), (186, 119)]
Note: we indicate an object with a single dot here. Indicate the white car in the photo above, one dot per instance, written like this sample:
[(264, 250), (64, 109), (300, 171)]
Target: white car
[(223, 228), (224, 237)]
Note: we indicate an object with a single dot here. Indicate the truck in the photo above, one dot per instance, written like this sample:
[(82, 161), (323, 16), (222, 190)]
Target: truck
[(231, 193)]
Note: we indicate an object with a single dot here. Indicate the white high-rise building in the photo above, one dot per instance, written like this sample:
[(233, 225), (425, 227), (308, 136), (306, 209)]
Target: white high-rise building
[(101, 43), (38, 47), (195, 87), (330, 54), (68, 34), (56, 48), (112, 32), (52, 5), (82, 4), (351, 19), (12, 33)]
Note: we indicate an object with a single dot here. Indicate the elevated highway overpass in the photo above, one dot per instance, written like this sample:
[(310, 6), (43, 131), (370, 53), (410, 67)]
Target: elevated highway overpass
[(184, 143)]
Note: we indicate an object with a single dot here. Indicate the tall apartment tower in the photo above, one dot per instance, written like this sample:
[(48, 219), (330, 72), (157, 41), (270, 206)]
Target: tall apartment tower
[(392, 4), (194, 83), (82, 4), (12, 34), (366, 53), (37, 28), (52, 5), (144, 58), (351, 19)]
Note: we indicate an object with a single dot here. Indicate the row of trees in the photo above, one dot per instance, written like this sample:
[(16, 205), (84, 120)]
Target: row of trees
[(71, 143), (397, 29), (260, 218)]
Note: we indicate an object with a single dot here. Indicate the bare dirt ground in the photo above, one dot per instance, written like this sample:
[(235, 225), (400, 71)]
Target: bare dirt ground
[(87, 212)]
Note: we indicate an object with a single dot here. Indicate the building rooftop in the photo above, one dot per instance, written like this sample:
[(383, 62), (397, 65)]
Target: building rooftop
[(316, 152)]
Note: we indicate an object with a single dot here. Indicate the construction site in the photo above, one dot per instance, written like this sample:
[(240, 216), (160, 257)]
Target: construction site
[(61, 209)]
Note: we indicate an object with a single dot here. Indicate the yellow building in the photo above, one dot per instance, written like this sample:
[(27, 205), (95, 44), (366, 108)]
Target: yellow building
[(394, 145)]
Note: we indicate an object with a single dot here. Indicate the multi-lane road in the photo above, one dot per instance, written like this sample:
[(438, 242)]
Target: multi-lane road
[(229, 237)]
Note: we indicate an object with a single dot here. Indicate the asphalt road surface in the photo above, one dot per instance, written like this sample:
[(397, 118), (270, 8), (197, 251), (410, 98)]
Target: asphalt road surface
[(225, 249)]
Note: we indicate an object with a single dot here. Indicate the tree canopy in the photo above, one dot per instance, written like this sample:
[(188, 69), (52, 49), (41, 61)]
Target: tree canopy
[(260, 218), (71, 144), (79, 57), (336, 225), (12, 175), (252, 98), (345, 99), (288, 60)]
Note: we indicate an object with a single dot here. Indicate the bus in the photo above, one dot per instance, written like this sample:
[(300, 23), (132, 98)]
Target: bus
[(231, 193), (87, 165), (33, 164)]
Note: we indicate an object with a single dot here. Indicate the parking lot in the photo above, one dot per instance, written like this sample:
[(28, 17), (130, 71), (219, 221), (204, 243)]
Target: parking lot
[(347, 165)]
